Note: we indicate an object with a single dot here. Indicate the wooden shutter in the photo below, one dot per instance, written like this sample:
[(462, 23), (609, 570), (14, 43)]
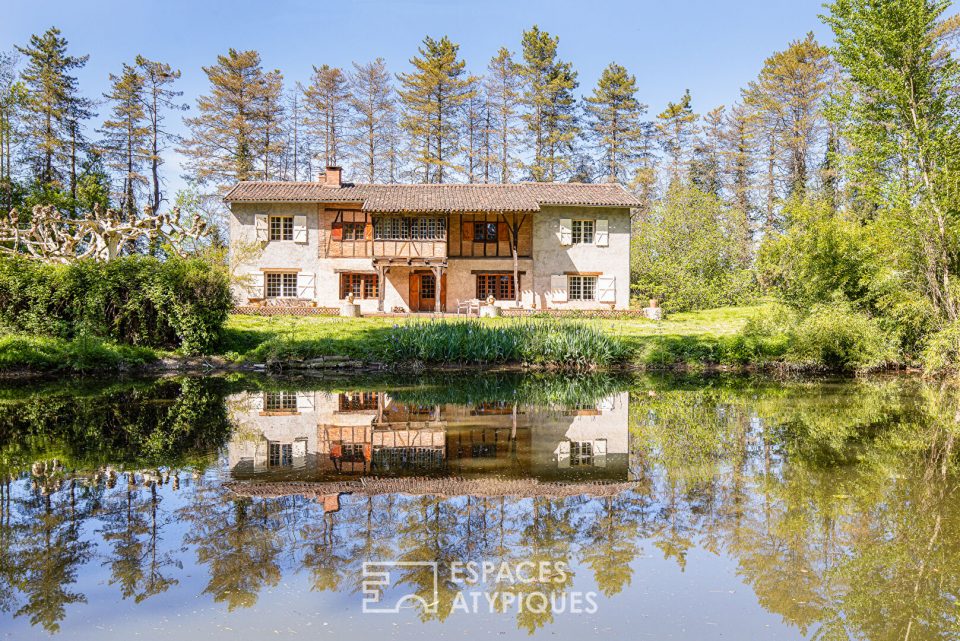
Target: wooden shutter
[(368, 231), (558, 288), (343, 286), (503, 235), (566, 231), (306, 285), (606, 289), (600, 453), (336, 231), (414, 292), (443, 292), (467, 230), (261, 224), (563, 454), (601, 235), (300, 228), (305, 401)]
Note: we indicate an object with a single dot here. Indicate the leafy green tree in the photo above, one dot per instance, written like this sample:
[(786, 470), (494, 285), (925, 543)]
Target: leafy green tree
[(433, 96), (233, 126), (13, 97), (898, 110), (550, 115), (615, 119), (683, 254)]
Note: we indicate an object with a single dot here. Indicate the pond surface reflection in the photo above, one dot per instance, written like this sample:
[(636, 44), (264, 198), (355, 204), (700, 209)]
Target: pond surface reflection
[(646, 507)]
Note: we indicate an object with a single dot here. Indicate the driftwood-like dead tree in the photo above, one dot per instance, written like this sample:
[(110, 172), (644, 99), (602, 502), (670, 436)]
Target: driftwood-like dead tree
[(98, 235)]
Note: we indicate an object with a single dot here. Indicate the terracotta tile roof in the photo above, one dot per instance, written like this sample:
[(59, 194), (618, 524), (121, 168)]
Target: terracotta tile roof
[(438, 198)]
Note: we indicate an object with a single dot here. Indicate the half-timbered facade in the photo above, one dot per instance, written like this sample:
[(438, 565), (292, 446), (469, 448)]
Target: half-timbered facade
[(427, 248)]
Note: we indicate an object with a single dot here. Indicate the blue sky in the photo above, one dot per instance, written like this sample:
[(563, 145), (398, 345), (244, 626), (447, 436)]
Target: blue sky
[(713, 48)]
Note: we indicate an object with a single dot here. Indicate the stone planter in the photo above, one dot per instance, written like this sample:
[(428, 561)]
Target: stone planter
[(350, 310), (490, 311)]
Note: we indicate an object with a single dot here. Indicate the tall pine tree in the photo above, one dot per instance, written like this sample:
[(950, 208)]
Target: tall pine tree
[(502, 87), (126, 134), (231, 130), (54, 111), (551, 106), (327, 100), (373, 121), (615, 119), (158, 97), (433, 96)]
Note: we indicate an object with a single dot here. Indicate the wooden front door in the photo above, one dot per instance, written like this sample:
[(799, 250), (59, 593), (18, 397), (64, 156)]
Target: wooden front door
[(424, 291)]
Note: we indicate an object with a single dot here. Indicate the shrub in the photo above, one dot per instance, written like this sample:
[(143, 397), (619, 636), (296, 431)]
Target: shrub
[(764, 338), (837, 337), (134, 300), (942, 351)]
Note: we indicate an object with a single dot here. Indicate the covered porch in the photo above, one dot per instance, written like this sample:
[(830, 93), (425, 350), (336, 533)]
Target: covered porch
[(422, 279)]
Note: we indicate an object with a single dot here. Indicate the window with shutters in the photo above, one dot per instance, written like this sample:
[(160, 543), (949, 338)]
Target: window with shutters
[(582, 287), (281, 284), (582, 232), (363, 286), (281, 455), (281, 227), (358, 401), (280, 401), (485, 232), (581, 453), (500, 286), (353, 231)]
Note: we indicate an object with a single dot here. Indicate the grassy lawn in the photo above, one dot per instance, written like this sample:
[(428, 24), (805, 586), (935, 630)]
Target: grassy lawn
[(253, 337)]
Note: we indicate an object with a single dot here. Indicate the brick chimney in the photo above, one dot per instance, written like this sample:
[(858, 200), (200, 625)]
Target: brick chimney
[(332, 177)]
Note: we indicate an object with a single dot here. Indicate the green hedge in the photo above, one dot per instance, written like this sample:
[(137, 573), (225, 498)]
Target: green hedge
[(137, 300)]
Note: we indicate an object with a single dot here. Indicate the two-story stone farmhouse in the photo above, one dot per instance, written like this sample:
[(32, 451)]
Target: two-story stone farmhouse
[(431, 247)]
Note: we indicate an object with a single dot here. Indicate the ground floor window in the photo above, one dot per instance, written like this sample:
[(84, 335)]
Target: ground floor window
[(360, 285), (280, 401), (581, 453), (500, 286), (281, 455), (358, 401), (281, 284), (582, 287)]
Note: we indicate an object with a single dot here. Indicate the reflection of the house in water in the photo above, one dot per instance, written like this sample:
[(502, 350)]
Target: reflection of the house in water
[(324, 436)]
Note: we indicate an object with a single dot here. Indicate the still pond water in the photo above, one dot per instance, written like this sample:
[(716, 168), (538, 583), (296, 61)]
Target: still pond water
[(503, 507)]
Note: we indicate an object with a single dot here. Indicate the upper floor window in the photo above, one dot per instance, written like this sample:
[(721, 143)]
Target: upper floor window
[(419, 228), (353, 231), (582, 232), (484, 232), (582, 287), (281, 284), (281, 227)]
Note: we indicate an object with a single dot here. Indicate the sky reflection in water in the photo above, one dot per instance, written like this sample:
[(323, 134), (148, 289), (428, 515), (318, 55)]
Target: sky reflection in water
[(693, 508)]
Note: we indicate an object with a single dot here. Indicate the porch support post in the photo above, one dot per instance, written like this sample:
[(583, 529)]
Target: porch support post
[(381, 286), (437, 275)]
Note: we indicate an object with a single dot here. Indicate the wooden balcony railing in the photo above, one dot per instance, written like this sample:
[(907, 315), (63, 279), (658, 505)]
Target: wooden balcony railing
[(388, 249)]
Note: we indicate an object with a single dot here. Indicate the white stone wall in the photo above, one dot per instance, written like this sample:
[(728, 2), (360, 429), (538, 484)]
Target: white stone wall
[(550, 257)]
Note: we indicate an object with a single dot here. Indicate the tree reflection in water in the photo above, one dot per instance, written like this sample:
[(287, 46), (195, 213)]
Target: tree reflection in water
[(837, 502)]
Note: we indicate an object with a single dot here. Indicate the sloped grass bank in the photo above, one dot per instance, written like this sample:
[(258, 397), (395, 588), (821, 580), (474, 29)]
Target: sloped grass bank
[(49, 355)]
